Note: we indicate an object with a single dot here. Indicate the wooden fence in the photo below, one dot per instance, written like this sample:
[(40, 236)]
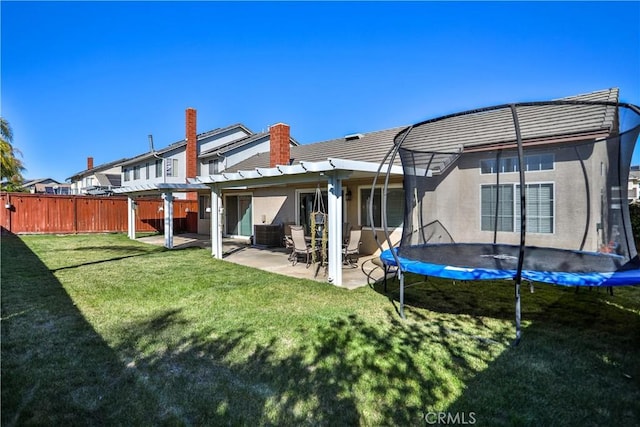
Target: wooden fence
[(45, 213)]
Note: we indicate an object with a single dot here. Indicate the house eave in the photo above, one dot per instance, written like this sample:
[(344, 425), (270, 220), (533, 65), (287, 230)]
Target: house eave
[(299, 172), (159, 188)]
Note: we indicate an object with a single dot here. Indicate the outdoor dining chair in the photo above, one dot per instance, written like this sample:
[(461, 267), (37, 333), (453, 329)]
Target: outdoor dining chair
[(300, 246), (352, 248)]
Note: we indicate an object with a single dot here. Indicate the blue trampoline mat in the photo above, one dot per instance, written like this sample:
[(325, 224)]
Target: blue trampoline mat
[(470, 261)]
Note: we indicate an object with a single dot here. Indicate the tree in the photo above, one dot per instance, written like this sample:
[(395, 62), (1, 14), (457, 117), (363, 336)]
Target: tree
[(12, 166)]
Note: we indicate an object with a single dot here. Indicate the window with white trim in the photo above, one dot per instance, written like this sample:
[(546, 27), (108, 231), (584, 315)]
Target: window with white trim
[(158, 168), (505, 201), (136, 172), (395, 207), (172, 167), (214, 167), (533, 162)]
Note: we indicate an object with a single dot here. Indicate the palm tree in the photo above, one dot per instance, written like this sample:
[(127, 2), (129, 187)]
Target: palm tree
[(11, 166)]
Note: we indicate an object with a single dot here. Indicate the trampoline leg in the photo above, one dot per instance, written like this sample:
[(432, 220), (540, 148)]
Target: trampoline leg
[(401, 293), (518, 331)]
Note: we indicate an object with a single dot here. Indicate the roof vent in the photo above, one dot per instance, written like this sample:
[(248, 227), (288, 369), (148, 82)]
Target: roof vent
[(353, 136)]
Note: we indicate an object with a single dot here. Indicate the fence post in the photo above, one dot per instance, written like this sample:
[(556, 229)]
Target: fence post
[(9, 208), (75, 214)]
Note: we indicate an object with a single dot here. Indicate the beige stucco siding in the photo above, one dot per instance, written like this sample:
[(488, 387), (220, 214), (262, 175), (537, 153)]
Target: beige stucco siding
[(456, 203)]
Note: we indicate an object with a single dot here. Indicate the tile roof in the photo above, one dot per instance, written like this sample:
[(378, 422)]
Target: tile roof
[(450, 135), (495, 126), (371, 147)]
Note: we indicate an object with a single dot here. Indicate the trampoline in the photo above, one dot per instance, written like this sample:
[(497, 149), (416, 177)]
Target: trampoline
[(467, 218)]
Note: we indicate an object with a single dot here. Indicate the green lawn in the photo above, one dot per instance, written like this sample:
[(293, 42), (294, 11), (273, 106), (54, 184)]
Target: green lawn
[(101, 330)]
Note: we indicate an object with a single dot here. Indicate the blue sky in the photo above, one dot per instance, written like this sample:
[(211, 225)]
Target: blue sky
[(84, 79)]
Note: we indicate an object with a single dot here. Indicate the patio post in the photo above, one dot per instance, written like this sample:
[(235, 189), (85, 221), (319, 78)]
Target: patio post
[(216, 223), (131, 218), (168, 219), (334, 191)]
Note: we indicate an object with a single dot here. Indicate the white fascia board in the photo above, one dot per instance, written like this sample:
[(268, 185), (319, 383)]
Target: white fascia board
[(359, 166), (160, 187), (301, 168), (268, 172)]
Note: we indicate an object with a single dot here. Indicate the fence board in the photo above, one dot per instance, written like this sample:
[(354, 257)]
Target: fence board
[(40, 213)]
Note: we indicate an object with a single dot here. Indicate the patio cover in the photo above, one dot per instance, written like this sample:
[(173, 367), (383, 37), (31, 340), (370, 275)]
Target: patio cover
[(164, 189), (332, 170)]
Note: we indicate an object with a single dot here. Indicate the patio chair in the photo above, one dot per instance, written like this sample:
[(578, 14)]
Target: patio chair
[(346, 228), (300, 246), (287, 241), (352, 248)]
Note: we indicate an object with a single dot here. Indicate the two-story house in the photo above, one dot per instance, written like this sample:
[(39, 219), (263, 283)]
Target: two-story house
[(98, 180)]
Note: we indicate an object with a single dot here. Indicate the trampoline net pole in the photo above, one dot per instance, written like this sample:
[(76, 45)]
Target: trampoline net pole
[(518, 331), (401, 277)]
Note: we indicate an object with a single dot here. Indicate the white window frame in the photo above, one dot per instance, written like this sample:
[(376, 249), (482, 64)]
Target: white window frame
[(361, 221), (158, 167), (516, 212), (172, 167), (313, 190), (514, 160)]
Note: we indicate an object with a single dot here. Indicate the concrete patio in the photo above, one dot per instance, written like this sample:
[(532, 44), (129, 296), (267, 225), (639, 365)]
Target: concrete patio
[(275, 259)]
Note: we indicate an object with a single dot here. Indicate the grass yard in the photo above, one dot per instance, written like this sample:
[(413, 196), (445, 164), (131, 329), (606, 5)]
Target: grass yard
[(101, 330)]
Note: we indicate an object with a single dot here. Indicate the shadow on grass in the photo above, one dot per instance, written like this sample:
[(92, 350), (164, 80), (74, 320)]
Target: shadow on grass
[(167, 368), (55, 368), (347, 372), (577, 363)]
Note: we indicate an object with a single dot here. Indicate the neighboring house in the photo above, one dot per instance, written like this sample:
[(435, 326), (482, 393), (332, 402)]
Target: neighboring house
[(98, 180), (210, 152), (46, 186), (206, 153), (633, 193)]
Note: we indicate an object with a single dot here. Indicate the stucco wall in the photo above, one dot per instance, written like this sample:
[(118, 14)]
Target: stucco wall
[(456, 203)]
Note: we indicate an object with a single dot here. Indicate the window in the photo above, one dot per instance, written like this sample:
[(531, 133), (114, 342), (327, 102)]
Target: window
[(214, 167), (395, 207), (505, 202), (158, 168), (539, 198), (503, 197), (172, 167), (146, 170), (536, 162), (126, 174), (136, 172), (204, 202)]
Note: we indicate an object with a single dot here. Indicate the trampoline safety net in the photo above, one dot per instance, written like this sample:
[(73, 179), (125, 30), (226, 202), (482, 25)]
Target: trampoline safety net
[(530, 190)]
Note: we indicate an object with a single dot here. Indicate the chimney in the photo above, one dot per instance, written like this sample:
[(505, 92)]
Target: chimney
[(89, 163), (192, 148), (192, 144), (280, 148)]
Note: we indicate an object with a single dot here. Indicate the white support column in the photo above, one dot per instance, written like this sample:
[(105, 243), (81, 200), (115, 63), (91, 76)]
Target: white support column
[(334, 190), (216, 223), (168, 220), (131, 218)]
